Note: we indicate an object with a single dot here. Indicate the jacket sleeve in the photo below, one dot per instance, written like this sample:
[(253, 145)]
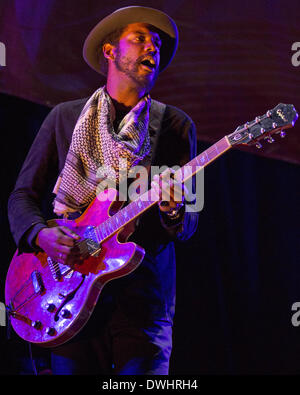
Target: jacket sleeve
[(183, 228), (25, 202)]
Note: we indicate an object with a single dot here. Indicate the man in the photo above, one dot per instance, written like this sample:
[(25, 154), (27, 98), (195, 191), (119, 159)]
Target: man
[(130, 331)]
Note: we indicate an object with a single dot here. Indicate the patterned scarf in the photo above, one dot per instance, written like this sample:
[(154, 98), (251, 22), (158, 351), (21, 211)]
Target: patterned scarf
[(95, 146)]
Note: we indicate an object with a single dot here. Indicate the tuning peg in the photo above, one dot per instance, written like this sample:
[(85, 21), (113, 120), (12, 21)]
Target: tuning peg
[(270, 139), (282, 134), (258, 145)]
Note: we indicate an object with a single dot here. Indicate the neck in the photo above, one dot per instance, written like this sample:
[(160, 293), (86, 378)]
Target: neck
[(126, 95)]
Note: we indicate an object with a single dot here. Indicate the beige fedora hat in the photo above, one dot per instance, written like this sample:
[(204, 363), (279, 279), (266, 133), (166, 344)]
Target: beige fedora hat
[(122, 17)]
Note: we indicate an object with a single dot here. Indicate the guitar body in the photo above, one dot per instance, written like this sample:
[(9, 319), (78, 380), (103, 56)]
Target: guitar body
[(49, 302)]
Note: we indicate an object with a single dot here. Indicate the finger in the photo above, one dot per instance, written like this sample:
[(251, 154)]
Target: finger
[(69, 232), (155, 180), (69, 251), (68, 259), (162, 191), (177, 193), (60, 257), (167, 173), (71, 261), (63, 240), (62, 249), (66, 237), (177, 189), (75, 252), (171, 191), (156, 189), (165, 191)]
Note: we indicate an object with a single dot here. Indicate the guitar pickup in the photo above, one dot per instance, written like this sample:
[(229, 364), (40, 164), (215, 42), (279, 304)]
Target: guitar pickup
[(88, 246), (37, 282), (93, 248)]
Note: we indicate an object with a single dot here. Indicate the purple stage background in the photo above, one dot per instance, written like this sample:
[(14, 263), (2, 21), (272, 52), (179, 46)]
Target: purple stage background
[(234, 59), (238, 276)]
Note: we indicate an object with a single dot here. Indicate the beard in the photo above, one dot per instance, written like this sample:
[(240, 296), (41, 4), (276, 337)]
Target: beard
[(130, 68)]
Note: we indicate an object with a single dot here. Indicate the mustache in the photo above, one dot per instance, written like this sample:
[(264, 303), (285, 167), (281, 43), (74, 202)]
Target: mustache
[(143, 57)]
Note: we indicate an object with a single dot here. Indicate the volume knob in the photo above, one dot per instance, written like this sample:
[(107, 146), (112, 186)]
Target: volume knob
[(50, 331), (36, 324), (66, 313), (50, 307)]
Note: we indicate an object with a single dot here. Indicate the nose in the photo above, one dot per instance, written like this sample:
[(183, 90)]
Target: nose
[(151, 46)]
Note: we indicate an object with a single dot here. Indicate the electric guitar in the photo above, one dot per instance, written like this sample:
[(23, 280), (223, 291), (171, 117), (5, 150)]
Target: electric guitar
[(48, 302)]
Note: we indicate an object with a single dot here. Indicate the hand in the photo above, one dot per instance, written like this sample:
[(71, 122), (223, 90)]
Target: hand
[(170, 192), (59, 243)]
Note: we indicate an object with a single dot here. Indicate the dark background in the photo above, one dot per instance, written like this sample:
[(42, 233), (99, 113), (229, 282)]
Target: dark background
[(239, 275)]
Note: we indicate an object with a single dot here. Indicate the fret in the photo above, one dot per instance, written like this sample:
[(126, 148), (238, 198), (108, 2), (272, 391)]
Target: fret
[(135, 208), (104, 232), (210, 154), (115, 222), (116, 219), (98, 234), (110, 225), (202, 159)]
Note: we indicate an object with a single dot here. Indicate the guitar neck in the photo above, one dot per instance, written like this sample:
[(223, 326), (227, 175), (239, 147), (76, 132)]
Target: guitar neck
[(202, 160), (148, 199)]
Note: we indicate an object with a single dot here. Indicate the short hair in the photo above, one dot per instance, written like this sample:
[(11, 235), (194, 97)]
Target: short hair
[(113, 39)]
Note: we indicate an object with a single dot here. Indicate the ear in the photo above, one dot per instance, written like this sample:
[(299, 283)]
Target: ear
[(109, 51)]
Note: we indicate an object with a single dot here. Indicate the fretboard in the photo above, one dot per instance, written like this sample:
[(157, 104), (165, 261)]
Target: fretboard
[(113, 224)]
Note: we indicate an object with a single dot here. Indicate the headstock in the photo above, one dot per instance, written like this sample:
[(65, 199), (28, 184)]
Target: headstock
[(283, 116)]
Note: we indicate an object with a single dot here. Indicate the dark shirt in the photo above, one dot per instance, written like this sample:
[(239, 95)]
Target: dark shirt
[(148, 292)]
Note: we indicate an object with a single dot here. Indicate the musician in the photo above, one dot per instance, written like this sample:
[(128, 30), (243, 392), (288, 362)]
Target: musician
[(130, 331)]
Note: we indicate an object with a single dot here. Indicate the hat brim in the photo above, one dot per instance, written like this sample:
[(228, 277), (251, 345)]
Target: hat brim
[(92, 53)]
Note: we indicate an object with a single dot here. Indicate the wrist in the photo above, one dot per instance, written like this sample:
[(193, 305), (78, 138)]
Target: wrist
[(31, 235), (175, 212), (39, 237), (173, 220)]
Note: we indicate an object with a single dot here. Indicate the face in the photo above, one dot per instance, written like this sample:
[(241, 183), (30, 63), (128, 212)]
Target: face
[(137, 55)]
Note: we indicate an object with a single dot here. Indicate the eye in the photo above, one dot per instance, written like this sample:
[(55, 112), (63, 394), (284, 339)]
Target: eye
[(158, 43), (140, 38)]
